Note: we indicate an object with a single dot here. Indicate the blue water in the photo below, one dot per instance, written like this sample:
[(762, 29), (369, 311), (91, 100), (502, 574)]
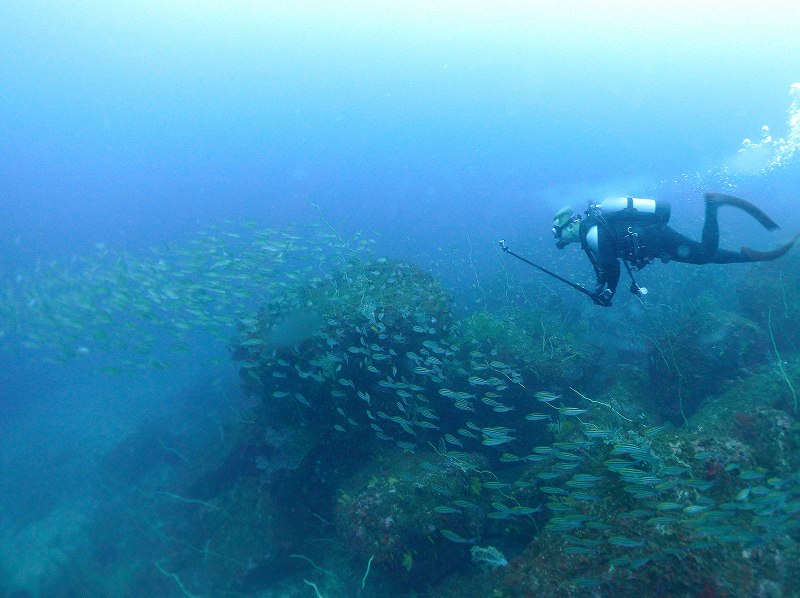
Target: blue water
[(130, 124), (436, 130)]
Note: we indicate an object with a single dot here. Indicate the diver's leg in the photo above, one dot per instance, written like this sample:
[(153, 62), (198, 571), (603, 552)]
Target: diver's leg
[(754, 255), (711, 232), (674, 246), (720, 199), (710, 237), (723, 256)]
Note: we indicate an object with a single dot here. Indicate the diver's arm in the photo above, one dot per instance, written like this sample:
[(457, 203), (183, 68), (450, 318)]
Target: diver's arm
[(601, 250), (606, 269), (611, 274)]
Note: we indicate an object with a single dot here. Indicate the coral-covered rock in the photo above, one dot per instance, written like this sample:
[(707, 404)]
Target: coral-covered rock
[(773, 436), (706, 352), (767, 296), (389, 511), (537, 340)]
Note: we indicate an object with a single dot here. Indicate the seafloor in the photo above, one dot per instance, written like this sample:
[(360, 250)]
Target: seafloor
[(396, 445)]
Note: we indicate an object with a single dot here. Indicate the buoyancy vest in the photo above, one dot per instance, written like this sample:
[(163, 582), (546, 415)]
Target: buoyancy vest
[(626, 218)]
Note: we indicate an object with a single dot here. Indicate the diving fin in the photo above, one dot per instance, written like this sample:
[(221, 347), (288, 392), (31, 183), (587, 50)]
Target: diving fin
[(721, 199), (766, 256)]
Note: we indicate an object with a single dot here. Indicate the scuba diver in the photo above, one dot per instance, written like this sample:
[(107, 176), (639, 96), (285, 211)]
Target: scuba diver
[(635, 230)]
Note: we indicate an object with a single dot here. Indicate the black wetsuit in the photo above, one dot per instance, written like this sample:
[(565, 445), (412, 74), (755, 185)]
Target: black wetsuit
[(606, 240)]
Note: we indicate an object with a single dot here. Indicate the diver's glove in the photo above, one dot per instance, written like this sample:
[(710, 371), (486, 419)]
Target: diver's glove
[(602, 297)]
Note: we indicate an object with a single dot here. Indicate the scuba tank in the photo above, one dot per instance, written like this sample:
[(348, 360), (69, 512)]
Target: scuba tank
[(632, 209)]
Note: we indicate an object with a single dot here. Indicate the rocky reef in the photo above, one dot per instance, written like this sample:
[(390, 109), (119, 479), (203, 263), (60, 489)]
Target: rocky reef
[(394, 446)]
